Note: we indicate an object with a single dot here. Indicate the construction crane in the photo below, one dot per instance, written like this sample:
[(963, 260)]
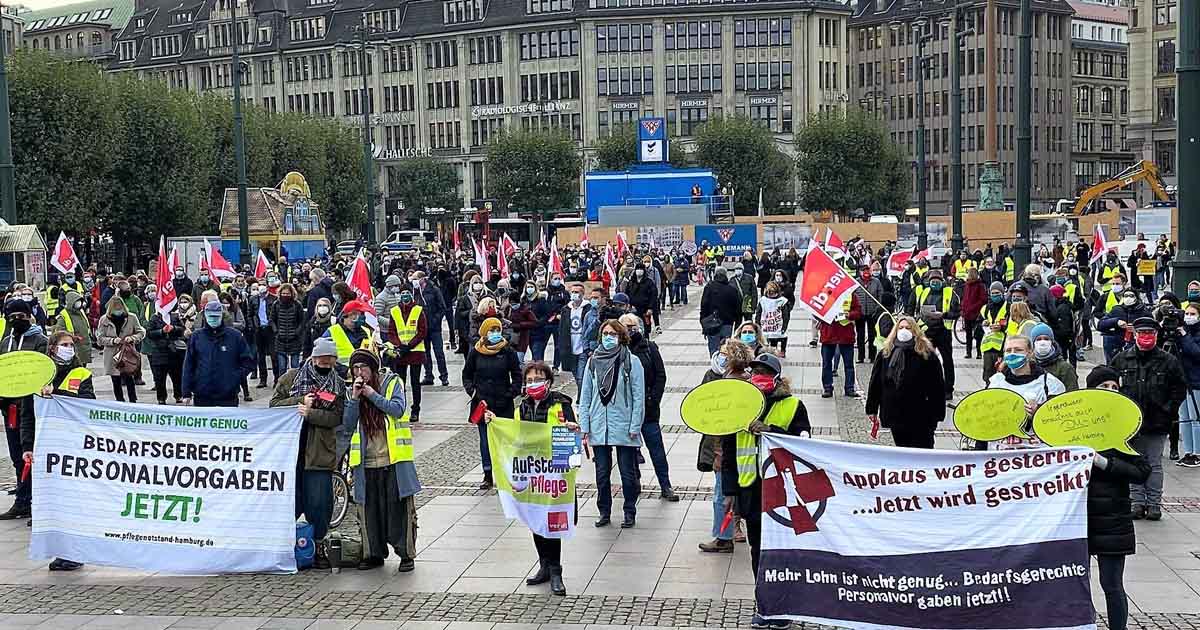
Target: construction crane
[(1144, 170)]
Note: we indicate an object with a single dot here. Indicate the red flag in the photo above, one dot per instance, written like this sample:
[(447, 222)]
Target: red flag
[(896, 262), (165, 297), (64, 258), (359, 279), (216, 263), (834, 244), (556, 266), (584, 241), (622, 244), (542, 240), (824, 286), (502, 260), (262, 265), (507, 247), (1099, 242), (457, 243), (610, 267)]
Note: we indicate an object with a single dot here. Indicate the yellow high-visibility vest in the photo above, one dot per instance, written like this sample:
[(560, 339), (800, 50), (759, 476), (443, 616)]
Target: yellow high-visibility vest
[(552, 414), (344, 347), (50, 303), (74, 380), (947, 295), (1106, 274), (993, 339), (399, 434), (780, 417), (846, 305), (961, 267), (406, 329), (1010, 269)]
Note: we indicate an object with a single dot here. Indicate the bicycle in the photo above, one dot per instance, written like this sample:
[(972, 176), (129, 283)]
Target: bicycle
[(343, 491)]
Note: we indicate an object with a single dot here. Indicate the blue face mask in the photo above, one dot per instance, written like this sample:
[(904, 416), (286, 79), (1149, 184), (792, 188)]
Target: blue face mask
[(360, 320), (997, 299), (1193, 295), (935, 284), (1015, 361), (608, 341), (213, 320), (1060, 280), (749, 338), (595, 302), (494, 337)]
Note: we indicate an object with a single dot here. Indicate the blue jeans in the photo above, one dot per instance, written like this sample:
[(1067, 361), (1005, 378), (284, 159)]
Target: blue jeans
[(828, 354), (719, 510), (285, 361), (627, 462), (1189, 421), (714, 341), (433, 346), (537, 347), (314, 499), (580, 366), (652, 437), (554, 358), (1149, 494), (485, 453)]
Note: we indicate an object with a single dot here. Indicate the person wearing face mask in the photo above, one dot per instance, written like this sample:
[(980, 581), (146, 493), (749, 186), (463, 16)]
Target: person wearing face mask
[(1063, 318), (771, 315), (406, 330), (381, 460), (203, 283), (656, 383), (1020, 373), (642, 292), (1155, 379), (286, 317), (741, 482), (996, 325), (1189, 411), (217, 358), (732, 360), (682, 278), (1049, 356), (491, 376), (545, 314), (317, 389), (1108, 271), (750, 334), (720, 309), (974, 296), (261, 335), (578, 321), (937, 306), (350, 332), (73, 320), (21, 333), (429, 296), (1117, 325), (388, 297), (906, 393), (743, 281), (118, 327), (612, 407), (870, 294), (166, 344), (317, 324)]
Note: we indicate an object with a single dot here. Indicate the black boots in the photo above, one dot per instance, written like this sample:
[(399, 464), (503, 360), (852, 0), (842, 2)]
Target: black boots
[(487, 481), (551, 573), (542, 576)]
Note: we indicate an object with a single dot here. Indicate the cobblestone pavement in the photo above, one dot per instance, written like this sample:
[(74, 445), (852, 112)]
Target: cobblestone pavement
[(472, 562)]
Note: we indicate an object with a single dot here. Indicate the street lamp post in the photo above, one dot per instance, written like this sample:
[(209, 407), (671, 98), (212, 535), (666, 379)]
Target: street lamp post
[(956, 165), (239, 147), (1187, 261), (360, 45), (8, 193), (1021, 247), (920, 38)]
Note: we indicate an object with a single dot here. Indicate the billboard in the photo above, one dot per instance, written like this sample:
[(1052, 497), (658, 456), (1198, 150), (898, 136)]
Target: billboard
[(734, 238)]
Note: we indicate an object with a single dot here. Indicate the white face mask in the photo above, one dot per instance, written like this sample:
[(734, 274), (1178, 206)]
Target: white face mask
[(1043, 347), (1116, 288), (322, 311), (65, 353), (904, 335), (1129, 301), (1191, 319)]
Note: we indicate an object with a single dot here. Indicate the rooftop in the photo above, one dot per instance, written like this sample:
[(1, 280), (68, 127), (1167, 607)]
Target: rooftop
[(112, 13), (1100, 12)]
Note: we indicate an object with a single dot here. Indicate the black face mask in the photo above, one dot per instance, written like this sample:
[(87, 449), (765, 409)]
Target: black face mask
[(322, 370), (126, 293), (19, 326)]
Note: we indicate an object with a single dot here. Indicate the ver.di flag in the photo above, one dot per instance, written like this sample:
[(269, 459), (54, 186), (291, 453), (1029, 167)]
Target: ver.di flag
[(64, 258), (824, 285), (534, 485), (872, 537), (187, 490)]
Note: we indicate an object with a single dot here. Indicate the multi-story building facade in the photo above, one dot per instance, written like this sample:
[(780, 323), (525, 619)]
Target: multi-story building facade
[(83, 30), (13, 26), (1153, 28), (1100, 89), (882, 78), (445, 76)]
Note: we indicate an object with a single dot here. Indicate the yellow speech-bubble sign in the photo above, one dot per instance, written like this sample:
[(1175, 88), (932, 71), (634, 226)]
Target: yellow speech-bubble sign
[(1098, 418), (23, 373), (722, 407), (990, 414)]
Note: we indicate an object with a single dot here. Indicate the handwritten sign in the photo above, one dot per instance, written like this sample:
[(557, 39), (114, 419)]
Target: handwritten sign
[(23, 373), (990, 414), (722, 407), (1099, 418), (1146, 267)]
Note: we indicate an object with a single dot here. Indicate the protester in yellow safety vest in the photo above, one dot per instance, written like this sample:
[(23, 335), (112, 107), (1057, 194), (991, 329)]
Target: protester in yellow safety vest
[(1071, 289), (71, 283), (71, 379), (919, 271), (74, 321), (542, 404), (962, 266), (1110, 295), (1010, 269), (1109, 270), (740, 480), (381, 458), (995, 321), (351, 332), (937, 307), (406, 332)]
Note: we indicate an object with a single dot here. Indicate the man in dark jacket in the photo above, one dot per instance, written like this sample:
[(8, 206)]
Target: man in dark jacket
[(578, 323), (322, 287), (1117, 325), (1064, 323), (258, 329), (655, 373), (181, 283), (21, 333), (936, 307), (723, 300), (1154, 379), (643, 294), (217, 358), (433, 304)]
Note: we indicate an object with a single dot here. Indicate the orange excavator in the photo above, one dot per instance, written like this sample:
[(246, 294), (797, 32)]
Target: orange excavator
[(1142, 171)]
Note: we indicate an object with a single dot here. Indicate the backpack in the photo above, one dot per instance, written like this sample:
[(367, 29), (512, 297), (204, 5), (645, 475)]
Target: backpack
[(306, 547)]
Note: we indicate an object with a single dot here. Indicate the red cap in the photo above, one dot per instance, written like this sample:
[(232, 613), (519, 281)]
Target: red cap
[(356, 306), (1057, 291)]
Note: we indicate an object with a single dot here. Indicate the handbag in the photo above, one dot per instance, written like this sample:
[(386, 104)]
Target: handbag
[(711, 324), (127, 359)]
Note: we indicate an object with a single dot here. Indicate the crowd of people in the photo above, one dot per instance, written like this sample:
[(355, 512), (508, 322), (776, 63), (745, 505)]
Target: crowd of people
[(354, 365)]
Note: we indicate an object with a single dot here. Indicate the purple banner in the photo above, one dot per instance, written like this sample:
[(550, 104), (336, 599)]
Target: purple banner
[(1019, 586)]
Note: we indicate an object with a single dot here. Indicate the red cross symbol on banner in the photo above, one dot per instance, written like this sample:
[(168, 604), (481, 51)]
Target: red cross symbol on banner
[(810, 488)]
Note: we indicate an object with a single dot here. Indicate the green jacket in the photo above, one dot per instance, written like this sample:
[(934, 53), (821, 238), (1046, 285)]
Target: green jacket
[(79, 324), (321, 425)]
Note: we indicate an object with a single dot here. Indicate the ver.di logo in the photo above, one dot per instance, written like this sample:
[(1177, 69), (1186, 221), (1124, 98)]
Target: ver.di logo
[(806, 504)]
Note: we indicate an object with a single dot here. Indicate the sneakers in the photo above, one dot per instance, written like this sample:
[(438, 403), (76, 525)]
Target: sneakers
[(739, 534), (406, 565), (827, 394), (717, 546), (669, 495), (1154, 513), (762, 624), (1191, 460)]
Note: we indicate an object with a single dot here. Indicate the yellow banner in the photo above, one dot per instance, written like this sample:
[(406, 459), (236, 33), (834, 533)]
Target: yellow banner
[(1099, 418), (991, 414), (23, 373)]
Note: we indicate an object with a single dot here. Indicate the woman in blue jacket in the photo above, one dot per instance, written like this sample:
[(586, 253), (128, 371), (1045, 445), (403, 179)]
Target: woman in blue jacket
[(612, 406)]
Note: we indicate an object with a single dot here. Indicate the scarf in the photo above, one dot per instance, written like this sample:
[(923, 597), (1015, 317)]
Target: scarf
[(898, 360), (309, 380), (606, 363), (482, 346)]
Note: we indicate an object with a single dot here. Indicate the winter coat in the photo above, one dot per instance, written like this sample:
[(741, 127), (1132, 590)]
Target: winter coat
[(1108, 325), (865, 291), (917, 401), (1062, 370), (643, 294), (314, 330), (79, 321), (544, 311), (747, 293), (433, 305), (407, 483), (252, 321), (1041, 301), (655, 372), (495, 379), (215, 363), (1062, 322), (161, 344), (1189, 355), (198, 289), (722, 298), (182, 286), (841, 334), (748, 500), (619, 423), (322, 289), (320, 429), (1155, 380), (109, 338), (1110, 523), (524, 322), (974, 296), (287, 321)]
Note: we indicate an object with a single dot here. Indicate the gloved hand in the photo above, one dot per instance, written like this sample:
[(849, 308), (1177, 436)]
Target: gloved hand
[(1100, 462)]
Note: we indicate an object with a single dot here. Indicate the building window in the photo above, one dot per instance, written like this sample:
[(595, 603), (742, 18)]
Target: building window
[(1106, 137), (693, 35), (554, 86), (692, 117), (1166, 103), (267, 70), (1166, 56), (548, 6), (485, 50), (387, 20), (397, 59), (127, 51), (305, 29), (1166, 12), (624, 38), (550, 44), (1164, 156), (1084, 99), (441, 94), (455, 11), (443, 54), (1106, 100)]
